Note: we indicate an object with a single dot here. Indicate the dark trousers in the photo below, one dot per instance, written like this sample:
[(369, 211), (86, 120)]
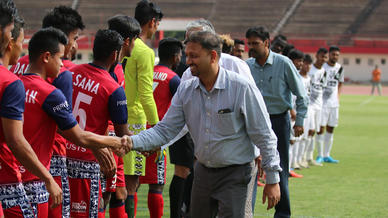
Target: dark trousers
[(221, 191), (281, 127)]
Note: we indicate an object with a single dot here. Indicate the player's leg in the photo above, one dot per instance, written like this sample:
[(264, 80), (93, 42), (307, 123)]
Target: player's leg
[(116, 203), (155, 176), (134, 166), (319, 135), (332, 123)]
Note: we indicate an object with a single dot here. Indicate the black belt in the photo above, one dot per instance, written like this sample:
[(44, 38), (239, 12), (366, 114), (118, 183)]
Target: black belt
[(278, 115)]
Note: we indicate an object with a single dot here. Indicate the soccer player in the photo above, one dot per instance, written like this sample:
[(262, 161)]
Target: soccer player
[(47, 108), (296, 57), (330, 111), (97, 99), (70, 22), (129, 29), (239, 48), (139, 71), (300, 157), (166, 83), (13, 144), (318, 81)]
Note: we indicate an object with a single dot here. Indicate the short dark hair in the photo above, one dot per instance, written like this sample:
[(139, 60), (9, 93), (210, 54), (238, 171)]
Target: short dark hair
[(127, 27), (257, 31), (63, 18), (280, 37), (8, 12), (46, 39), (106, 42), (322, 50), (146, 11), (208, 40), (334, 48), (295, 54), (239, 41), (168, 48), (307, 58), (287, 48), (18, 25)]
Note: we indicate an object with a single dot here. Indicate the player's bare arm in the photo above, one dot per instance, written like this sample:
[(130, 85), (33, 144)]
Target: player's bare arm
[(23, 152)]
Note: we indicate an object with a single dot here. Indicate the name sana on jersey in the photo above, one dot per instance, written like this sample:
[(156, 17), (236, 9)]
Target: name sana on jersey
[(86, 84)]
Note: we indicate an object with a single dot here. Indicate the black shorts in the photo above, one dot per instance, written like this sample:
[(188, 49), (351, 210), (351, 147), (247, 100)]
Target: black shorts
[(182, 152)]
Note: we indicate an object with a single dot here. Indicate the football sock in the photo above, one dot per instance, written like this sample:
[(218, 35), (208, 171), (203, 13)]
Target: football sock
[(328, 143), (319, 142), (176, 196), (155, 204), (117, 207), (130, 206)]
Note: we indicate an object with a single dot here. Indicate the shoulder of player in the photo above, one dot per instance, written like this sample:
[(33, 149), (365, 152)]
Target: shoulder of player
[(235, 79)]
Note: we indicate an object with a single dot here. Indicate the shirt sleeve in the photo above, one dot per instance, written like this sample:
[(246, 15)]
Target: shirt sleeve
[(341, 75), (12, 102), (164, 131), (118, 106), (259, 130), (57, 107), (64, 82), (296, 86), (145, 69), (174, 83)]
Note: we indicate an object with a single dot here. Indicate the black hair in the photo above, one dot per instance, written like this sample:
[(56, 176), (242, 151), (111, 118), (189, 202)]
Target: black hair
[(239, 41), (280, 37), (287, 48), (106, 42), (168, 48), (8, 12), (307, 58), (322, 50), (63, 18), (208, 40), (334, 48), (46, 39), (18, 25), (146, 11), (257, 31), (127, 27), (295, 54)]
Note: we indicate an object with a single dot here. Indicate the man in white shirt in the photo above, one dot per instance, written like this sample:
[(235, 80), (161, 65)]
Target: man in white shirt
[(330, 111), (318, 81)]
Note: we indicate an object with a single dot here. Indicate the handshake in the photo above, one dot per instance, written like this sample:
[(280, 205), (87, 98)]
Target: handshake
[(124, 146)]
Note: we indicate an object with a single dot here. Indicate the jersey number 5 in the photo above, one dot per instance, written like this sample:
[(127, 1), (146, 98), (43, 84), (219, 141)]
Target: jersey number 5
[(78, 111)]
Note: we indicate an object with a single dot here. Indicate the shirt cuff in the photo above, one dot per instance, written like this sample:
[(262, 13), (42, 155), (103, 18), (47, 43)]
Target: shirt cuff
[(298, 121), (272, 177), (136, 143)]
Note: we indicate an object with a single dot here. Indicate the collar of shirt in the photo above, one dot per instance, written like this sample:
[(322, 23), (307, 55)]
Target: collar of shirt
[(269, 60), (219, 84)]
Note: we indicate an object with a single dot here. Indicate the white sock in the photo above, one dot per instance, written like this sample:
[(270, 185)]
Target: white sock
[(328, 143), (301, 150), (310, 148), (290, 157), (295, 148), (319, 141)]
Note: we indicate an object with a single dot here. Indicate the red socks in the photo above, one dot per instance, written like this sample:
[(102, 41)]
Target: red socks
[(155, 204)]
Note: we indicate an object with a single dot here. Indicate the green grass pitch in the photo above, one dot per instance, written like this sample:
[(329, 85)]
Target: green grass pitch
[(356, 187)]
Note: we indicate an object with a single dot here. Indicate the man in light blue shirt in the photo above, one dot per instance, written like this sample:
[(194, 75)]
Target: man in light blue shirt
[(276, 77), (225, 115)]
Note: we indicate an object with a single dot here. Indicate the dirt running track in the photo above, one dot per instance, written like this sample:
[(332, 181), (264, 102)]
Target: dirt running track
[(361, 90)]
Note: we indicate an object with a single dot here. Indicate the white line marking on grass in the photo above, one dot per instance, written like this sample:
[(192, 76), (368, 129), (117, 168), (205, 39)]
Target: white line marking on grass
[(367, 101)]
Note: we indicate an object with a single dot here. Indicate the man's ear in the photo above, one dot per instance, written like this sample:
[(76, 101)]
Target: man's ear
[(10, 45), (45, 57), (213, 55), (127, 42)]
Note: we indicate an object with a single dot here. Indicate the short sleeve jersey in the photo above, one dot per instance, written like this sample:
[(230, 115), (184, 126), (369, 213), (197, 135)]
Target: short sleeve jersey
[(63, 82), (335, 75), (21, 67), (97, 98), (46, 108), (165, 85), (317, 81), (12, 97)]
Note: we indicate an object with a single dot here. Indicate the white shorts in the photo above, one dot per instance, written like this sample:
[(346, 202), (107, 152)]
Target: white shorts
[(330, 116), (314, 117)]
